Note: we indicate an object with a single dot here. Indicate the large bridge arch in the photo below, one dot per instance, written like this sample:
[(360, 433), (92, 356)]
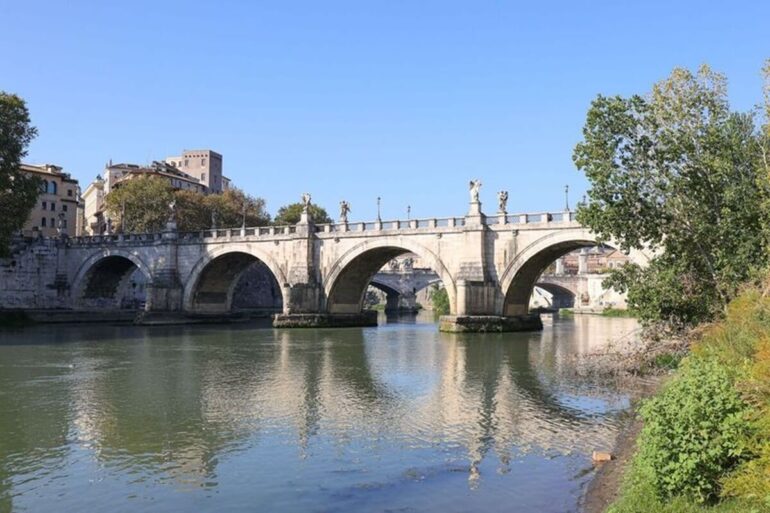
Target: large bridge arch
[(212, 280), (99, 277), (520, 276), (345, 283)]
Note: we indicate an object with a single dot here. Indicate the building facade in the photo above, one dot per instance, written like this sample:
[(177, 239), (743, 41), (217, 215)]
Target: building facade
[(56, 209), (205, 165)]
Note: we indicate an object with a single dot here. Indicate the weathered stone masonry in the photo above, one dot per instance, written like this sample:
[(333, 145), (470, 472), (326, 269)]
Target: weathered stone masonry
[(488, 265)]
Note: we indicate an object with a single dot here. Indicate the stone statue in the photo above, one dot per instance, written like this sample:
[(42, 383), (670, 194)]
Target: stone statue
[(502, 202), (214, 218), (475, 185), (108, 226), (60, 224), (344, 209), (306, 202), (172, 211)]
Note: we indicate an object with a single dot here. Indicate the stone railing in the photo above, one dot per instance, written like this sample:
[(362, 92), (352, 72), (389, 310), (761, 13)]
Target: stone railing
[(359, 226)]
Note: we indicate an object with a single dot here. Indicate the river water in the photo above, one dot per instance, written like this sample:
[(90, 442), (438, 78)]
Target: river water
[(246, 418)]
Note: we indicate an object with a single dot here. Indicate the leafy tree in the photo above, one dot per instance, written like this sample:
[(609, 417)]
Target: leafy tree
[(147, 209), (145, 201), (18, 191), (290, 214), (677, 173), (195, 210)]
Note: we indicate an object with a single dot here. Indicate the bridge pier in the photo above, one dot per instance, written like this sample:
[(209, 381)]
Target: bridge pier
[(489, 323)]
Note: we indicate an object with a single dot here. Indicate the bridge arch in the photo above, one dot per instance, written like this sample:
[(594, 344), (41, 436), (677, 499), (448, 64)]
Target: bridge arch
[(522, 273), (213, 280), (346, 282), (562, 297), (100, 277)]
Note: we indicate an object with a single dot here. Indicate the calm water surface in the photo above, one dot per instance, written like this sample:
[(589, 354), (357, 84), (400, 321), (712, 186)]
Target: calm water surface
[(244, 418)]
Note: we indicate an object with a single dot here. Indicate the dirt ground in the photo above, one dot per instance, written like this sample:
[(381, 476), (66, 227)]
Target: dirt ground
[(605, 486)]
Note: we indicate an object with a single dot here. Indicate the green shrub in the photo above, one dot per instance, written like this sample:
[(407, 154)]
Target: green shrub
[(695, 432), (439, 300)]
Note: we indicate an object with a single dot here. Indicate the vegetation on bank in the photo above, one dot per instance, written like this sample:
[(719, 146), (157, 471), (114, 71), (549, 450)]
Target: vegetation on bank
[(705, 445), (617, 312), (439, 300), (679, 175)]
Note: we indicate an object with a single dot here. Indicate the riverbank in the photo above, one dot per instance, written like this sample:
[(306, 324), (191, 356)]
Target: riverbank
[(604, 488), (702, 442)]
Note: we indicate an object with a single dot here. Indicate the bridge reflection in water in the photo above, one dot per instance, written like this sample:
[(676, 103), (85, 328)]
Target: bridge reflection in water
[(400, 416)]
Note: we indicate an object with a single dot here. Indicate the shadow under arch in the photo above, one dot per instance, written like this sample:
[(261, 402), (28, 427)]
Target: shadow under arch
[(522, 273), (345, 284), (213, 280), (102, 277)]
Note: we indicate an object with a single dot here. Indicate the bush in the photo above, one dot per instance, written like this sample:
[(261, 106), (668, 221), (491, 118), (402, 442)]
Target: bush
[(695, 432), (752, 478), (439, 300)]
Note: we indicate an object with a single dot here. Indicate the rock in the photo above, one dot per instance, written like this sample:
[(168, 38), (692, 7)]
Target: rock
[(601, 456)]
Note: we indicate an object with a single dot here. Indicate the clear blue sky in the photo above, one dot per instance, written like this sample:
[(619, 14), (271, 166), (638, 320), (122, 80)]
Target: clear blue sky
[(351, 100)]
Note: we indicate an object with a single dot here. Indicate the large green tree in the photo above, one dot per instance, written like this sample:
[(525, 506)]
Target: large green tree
[(141, 204), (196, 211), (18, 191), (679, 174), (290, 214), (146, 203)]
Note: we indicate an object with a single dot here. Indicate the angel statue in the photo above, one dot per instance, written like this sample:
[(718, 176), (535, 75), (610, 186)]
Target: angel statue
[(502, 201), (344, 209), (306, 202), (474, 186)]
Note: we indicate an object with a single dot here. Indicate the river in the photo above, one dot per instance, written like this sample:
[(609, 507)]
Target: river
[(246, 418)]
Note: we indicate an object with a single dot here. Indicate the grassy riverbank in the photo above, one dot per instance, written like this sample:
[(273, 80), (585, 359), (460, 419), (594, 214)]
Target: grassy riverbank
[(705, 444)]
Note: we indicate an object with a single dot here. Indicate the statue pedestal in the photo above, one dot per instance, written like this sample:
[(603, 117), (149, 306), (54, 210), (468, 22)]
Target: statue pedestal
[(474, 217)]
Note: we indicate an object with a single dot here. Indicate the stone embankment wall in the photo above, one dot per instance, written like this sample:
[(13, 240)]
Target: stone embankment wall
[(33, 276)]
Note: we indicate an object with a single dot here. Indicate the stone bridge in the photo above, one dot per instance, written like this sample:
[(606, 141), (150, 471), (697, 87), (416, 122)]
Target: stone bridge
[(488, 265)]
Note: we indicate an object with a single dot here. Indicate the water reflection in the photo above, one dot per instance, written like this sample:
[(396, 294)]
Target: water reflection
[(399, 416)]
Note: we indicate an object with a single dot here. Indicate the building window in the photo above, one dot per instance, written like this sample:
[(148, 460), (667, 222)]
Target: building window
[(53, 222), (45, 205), (51, 187), (186, 162), (64, 208), (43, 221), (53, 206), (203, 162), (203, 177), (63, 223), (69, 192)]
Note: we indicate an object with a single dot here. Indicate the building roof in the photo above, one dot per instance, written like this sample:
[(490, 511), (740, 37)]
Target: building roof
[(48, 169)]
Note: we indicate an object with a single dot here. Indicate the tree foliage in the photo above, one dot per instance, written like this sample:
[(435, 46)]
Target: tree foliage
[(290, 214), (678, 174), (196, 211), (144, 200), (147, 209), (18, 191), (439, 299)]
